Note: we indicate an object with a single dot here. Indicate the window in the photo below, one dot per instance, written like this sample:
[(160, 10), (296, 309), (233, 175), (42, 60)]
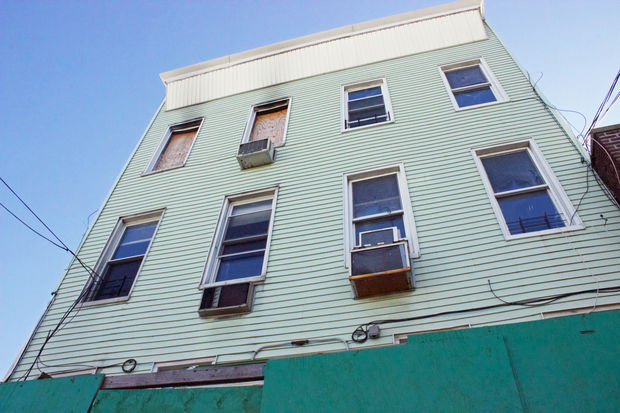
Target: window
[(123, 257), (268, 121), (365, 104), (526, 196), (240, 248), (471, 84), (174, 147), (375, 200)]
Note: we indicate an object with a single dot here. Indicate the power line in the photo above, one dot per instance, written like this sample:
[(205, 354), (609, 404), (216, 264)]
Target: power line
[(92, 274)]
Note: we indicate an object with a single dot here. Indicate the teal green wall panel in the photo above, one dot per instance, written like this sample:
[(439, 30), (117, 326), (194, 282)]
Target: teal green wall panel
[(568, 364), (432, 375), (62, 395), (221, 400)]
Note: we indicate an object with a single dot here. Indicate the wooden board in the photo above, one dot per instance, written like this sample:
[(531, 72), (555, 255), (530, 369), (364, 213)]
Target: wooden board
[(214, 375)]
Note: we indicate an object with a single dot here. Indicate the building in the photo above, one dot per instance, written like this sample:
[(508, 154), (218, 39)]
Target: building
[(342, 191)]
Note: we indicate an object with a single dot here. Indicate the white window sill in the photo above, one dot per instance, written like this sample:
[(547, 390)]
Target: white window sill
[(509, 237), (253, 280), (366, 126), (103, 302)]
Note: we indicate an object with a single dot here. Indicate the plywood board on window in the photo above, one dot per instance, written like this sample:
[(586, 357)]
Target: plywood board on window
[(270, 125), (176, 150)]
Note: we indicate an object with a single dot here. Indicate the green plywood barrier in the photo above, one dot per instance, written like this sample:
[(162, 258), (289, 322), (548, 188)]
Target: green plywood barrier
[(433, 375), (569, 364), (244, 399), (62, 395)]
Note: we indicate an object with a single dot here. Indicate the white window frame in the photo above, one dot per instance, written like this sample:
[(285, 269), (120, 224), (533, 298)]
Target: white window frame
[(405, 199), (493, 83), (353, 87), (554, 188), (255, 109), (175, 127), (110, 249), (212, 265)]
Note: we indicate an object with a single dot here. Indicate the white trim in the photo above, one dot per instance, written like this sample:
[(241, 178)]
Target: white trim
[(554, 188), (402, 338), (323, 37), (254, 109), (70, 373), (211, 267), (493, 83), (545, 315), (170, 365), (366, 84), (405, 199), (164, 142), (110, 248)]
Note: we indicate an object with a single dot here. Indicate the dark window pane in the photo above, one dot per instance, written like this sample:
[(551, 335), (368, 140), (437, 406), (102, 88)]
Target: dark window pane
[(530, 212), (235, 294), (372, 91), (248, 225), (118, 279), (395, 221), (376, 195), (363, 103), (474, 97), (367, 116), (135, 240), (244, 246), (465, 77), (240, 266), (378, 236), (511, 171), (251, 207), (368, 120)]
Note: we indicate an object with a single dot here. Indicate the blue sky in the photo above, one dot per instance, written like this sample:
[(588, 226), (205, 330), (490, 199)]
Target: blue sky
[(79, 82)]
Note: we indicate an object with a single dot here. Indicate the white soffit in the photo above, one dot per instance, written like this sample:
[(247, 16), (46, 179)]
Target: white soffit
[(350, 46)]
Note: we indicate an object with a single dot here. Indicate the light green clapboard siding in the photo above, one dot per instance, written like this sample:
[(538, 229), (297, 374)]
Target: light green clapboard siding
[(306, 293)]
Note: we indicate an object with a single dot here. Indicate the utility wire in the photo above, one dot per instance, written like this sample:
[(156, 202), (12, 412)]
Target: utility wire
[(360, 334), (92, 274), (32, 229)]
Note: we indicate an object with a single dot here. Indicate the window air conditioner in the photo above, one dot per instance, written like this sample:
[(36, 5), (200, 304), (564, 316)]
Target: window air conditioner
[(227, 299), (255, 153), (380, 269)]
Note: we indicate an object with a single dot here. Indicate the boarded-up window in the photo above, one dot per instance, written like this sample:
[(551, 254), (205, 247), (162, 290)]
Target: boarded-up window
[(177, 147), (270, 122)]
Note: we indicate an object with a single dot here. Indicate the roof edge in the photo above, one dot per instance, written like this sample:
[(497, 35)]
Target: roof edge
[(607, 128), (328, 35)]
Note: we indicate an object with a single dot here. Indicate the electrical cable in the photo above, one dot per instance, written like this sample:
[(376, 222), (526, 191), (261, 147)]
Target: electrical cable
[(584, 140), (613, 102), (32, 229), (602, 105), (360, 334), (92, 274)]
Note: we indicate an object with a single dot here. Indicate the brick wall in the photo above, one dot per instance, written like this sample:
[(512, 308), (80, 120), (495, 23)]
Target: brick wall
[(606, 155)]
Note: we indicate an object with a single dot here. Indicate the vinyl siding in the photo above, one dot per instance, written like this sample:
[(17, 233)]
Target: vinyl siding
[(306, 293)]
